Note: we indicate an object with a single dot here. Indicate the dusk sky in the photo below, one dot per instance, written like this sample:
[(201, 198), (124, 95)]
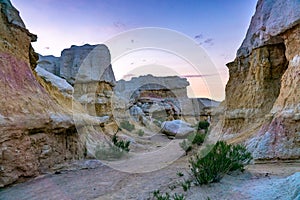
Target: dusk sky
[(218, 26)]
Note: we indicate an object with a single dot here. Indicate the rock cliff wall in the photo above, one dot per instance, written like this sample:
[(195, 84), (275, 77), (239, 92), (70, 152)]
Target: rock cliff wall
[(37, 130), (262, 95)]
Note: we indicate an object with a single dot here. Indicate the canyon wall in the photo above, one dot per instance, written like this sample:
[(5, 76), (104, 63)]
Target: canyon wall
[(37, 129), (262, 106)]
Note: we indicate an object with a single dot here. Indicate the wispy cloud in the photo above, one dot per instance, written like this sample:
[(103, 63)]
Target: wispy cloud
[(203, 40), (197, 75), (127, 76), (198, 37), (120, 26), (209, 42)]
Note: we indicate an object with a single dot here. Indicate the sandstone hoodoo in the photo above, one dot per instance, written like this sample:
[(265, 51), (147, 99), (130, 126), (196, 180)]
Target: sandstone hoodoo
[(262, 95), (74, 58), (88, 69)]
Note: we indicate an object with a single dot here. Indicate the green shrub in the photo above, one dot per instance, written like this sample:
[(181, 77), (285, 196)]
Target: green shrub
[(123, 145), (127, 125), (195, 138), (198, 138), (112, 151), (186, 185), (140, 132), (180, 174), (220, 160), (203, 125), (108, 152), (166, 196), (178, 197), (157, 123), (186, 146), (158, 196)]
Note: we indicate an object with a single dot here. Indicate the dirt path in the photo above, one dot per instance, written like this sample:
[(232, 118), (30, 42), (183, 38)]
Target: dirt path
[(93, 179), (98, 181)]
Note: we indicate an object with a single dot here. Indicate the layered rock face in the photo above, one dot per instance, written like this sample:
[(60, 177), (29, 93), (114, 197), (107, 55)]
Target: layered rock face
[(262, 95), (72, 59), (88, 69), (37, 130), (61, 84), (160, 98), (94, 80)]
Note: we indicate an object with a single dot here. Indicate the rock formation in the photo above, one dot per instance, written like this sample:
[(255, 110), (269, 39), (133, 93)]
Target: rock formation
[(262, 95), (177, 128), (37, 130), (88, 68), (50, 63), (159, 98), (62, 85), (94, 80), (72, 59)]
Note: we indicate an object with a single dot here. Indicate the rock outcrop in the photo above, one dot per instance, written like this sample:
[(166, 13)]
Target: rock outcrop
[(72, 59), (159, 98), (50, 63), (94, 80), (262, 95), (37, 130), (61, 84), (88, 69)]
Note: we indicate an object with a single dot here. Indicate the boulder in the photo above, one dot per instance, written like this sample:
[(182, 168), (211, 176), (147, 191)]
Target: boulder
[(176, 128), (137, 113)]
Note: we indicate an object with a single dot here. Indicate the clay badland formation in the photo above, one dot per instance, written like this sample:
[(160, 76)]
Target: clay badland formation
[(41, 125), (262, 106)]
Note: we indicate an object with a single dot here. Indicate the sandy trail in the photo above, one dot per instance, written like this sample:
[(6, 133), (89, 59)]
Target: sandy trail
[(143, 173), (103, 182)]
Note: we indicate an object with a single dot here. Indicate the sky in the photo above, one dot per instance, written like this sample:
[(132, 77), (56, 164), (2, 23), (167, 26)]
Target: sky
[(217, 26)]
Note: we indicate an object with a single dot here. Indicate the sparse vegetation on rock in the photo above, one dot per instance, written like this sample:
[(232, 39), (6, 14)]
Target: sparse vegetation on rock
[(123, 145), (203, 125), (108, 152), (192, 139), (221, 159), (140, 132), (127, 125), (113, 150), (158, 196)]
